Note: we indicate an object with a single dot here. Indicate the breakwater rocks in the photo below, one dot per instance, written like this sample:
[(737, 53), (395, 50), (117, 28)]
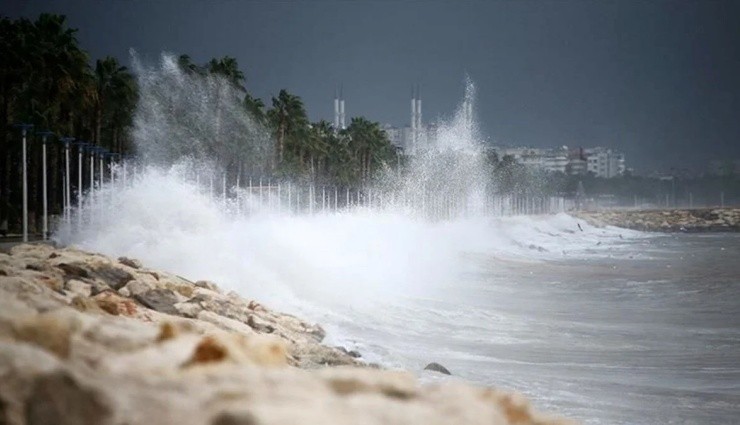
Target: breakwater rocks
[(678, 220), (86, 339)]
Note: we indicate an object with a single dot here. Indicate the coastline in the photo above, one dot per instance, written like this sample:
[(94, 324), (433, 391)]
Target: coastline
[(668, 221), (87, 339)]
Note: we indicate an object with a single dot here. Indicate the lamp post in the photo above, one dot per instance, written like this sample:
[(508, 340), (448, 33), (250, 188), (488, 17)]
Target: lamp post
[(68, 195), (45, 203), (24, 130), (102, 153), (81, 146), (92, 149)]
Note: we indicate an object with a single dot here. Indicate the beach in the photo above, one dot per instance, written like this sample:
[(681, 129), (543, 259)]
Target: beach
[(88, 339)]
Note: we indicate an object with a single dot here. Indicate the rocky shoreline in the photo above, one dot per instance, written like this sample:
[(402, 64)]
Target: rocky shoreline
[(86, 339), (677, 220)]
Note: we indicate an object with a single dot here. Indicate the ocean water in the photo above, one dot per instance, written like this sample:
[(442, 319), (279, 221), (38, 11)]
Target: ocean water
[(605, 325)]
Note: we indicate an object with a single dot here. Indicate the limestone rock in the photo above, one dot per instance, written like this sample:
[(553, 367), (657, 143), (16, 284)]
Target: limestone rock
[(115, 304), (114, 277), (20, 364), (76, 271), (59, 398), (78, 288), (131, 262), (138, 286), (207, 284), (51, 331), (162, 300)]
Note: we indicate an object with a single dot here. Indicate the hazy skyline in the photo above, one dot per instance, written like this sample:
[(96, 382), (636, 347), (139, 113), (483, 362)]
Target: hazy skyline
[(659, 81)]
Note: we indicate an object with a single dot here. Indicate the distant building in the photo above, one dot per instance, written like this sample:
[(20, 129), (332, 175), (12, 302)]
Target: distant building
[(600, 161), (409, 139), (556, 160), (605, 163), (417, 134)]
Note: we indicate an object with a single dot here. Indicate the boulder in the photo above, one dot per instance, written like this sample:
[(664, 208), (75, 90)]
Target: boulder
[(60, 398), (207, 284), (133, 263), (115, 304), (78, 288), (161, 300), (436, 367), (113, 276)]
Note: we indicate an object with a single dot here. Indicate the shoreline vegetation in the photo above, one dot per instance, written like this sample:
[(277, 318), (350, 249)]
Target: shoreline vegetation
[(49, 81), (668, 221), (87, 339)]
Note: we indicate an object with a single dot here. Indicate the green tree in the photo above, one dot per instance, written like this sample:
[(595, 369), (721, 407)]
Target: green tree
[(228, 68), (290, 122), (115, 96)]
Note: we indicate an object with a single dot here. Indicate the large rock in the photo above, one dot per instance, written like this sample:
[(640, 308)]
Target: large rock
[(436, 367), (59, 398), (162, 300)]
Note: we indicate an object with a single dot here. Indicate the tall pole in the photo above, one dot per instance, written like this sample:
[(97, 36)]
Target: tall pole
[(80, 148), (413, 121), (25, 190), (24, 129), (66, 141), (46, 206), (44, 196), (101, 154), (67, 193), (66, 174), (336, 110), (80, 165), (341, 108), (341, 114), (92, 171)]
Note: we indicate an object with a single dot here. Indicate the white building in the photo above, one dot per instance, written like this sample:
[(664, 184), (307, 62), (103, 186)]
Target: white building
[(403, 137), (605, 163), (553, 160), (602, 162)]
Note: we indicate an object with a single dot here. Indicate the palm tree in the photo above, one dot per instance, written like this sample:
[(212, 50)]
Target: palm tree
[(317, 145), (40, 78), (115, 92), (370, 145), (228, 68), (255, 106), (289, 120), (187, 66)]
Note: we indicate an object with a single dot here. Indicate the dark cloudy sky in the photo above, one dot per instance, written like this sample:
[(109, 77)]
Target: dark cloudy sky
[(658, 80)]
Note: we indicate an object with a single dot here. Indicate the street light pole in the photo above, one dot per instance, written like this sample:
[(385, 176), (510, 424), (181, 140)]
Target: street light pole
[(68, 198), (92, 150), (102, 152), (44, 135), (80, 149), (24, 129)]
